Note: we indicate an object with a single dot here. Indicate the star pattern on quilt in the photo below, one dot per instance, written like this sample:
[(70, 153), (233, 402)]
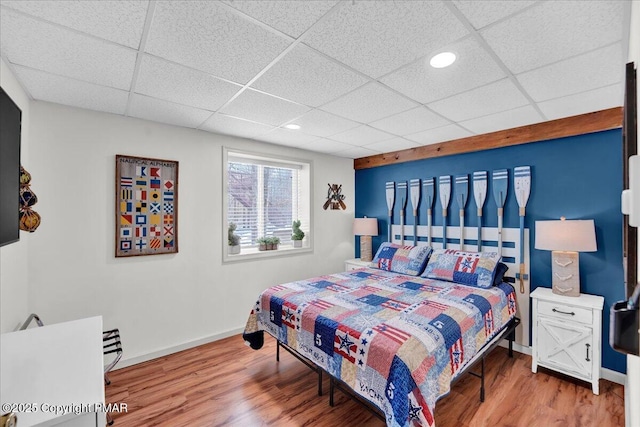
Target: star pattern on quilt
[(346, 343), (414, 411)]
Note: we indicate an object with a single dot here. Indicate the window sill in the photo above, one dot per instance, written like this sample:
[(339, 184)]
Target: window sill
[(253, 253)]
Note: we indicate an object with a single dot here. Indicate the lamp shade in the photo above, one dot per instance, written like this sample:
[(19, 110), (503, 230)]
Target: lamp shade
[(365, 226), (566, 235)]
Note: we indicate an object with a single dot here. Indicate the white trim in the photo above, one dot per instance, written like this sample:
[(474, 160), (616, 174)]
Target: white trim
[(613, 376), (516, 347), (176, 348)]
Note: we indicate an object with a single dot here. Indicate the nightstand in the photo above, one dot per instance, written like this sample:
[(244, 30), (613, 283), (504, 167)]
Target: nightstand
[(567, 334), (354, 264)]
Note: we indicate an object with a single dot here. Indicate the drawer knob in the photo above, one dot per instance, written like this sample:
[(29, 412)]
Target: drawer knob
[(555, 310)]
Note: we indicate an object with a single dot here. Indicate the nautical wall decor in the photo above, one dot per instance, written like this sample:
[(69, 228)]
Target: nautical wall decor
[(146, 206), (335, 198), (29, 219)]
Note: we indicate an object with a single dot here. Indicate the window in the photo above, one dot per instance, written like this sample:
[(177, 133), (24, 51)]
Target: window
[(264, 195)]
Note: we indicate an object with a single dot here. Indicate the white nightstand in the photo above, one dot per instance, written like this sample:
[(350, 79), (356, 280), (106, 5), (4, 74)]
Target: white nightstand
[(354, 264), (567, 334)]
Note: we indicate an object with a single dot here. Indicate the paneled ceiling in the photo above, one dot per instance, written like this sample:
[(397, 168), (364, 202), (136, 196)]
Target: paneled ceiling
[(353, 74)]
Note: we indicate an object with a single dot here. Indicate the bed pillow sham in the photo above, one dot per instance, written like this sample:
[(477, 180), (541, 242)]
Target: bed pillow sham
[(409, 260), (466, 268)]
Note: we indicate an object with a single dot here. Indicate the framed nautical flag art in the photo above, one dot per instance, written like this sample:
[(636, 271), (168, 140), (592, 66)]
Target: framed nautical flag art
[(146, 206)]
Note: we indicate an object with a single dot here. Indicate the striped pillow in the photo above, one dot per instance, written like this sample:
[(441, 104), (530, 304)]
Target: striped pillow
[(466, 268), (409, 260)]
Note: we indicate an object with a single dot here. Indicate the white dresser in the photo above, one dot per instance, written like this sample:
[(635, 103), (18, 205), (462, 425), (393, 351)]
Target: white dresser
[(567, 334), (53, 374)]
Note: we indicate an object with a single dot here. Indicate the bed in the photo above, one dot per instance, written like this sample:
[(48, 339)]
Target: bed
[(395, 339)]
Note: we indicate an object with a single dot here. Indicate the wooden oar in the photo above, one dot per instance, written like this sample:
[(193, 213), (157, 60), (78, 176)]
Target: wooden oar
[(402, 192), (390, 192), (414, 188), (522, 184), (428, 186), (480, 195), (500, 186), (444, 188), (462, 189)]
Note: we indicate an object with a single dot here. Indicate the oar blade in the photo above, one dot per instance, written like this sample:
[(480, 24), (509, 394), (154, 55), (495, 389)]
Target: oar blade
[(401, 189), (414, 188), (428, 187), (500, 186), (462, 190), (480, 188), (522, 184), (390, 191), (444, 188)]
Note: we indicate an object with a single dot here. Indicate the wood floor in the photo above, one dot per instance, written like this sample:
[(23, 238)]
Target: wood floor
[(226, 383)]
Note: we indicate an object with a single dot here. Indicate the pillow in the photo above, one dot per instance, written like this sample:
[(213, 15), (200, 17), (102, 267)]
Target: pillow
[(409, 260), (501, 270), (466, 268)]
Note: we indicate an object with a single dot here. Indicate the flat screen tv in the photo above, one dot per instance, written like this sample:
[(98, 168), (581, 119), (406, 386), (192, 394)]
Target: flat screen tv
[(10, 126)]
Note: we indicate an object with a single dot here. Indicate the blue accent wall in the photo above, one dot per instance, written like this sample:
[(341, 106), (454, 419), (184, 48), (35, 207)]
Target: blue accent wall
[(578, 177)]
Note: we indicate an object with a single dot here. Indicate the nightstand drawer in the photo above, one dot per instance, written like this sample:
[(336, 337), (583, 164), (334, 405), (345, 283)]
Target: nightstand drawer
[(565, 312)]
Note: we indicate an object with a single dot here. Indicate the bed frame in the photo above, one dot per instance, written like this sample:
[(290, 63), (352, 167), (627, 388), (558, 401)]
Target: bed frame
[(511, 332)]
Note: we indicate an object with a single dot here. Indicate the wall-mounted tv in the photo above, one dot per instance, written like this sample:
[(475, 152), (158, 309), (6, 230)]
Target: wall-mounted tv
[(10, 126)]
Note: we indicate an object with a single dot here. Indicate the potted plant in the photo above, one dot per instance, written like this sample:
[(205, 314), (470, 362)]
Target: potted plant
[(233, 240), (273, 242), (297, 235), (262, 243)]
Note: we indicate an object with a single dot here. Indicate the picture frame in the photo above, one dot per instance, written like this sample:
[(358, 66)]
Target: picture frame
[(146, 210)]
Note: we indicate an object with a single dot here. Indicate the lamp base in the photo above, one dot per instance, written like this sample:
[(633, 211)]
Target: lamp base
[(565, 271), (365, 249)]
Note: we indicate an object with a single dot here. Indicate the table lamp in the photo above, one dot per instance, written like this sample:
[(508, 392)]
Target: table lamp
[(565, 238), (365, 228)]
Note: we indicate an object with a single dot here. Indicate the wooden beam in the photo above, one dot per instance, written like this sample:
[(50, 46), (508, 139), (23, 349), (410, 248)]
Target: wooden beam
[(570, 126)]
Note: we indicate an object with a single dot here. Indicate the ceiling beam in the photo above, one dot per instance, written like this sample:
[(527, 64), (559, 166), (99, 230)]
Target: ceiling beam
[(560, 128)]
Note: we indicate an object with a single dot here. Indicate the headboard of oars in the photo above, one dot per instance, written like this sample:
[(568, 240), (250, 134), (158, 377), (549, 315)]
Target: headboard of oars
[(512, 243)]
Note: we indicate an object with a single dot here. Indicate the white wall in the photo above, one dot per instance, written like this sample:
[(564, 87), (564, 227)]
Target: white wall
[(13, 257), (632, 389), (162, 301)]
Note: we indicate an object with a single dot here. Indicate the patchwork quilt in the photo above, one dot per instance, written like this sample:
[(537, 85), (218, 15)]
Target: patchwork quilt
[(396, 340)]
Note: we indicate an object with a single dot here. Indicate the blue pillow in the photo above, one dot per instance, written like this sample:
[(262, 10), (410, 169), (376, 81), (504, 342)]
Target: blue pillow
[(409, 260)]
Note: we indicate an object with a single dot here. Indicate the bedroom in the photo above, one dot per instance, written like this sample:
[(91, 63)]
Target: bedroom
[(66, 269)]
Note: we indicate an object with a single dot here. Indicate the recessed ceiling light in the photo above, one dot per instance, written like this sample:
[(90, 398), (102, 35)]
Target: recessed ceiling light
[(293, 127), (443, 59)]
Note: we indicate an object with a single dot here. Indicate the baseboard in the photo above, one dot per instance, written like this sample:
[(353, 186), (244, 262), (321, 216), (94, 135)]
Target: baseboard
[(516, 347), (174, 349), (613, 376)]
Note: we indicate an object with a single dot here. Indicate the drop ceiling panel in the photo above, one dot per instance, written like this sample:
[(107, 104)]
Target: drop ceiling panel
[(379, 37), (62, 90), (368, 103), (474, 67), (172, 82), (485, 12), (309, 78), (444, 133), (263, 108), (356, 152), (492, 98), (581, 103), (157, 110), (40, 45), (588, 71), (118, 21), (394, 144), (292, 18), (555, 30), (410, 121), (505, 120), (219, 123), (361, 135), (288, 137), (324, 145), (321, 123), (208, 37)]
